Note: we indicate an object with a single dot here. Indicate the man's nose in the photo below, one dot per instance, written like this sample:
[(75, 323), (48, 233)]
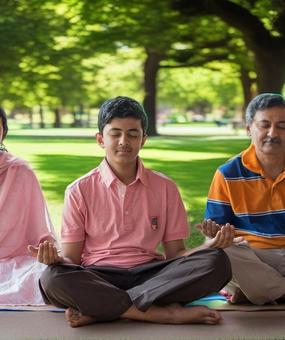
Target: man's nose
[(272, 132)]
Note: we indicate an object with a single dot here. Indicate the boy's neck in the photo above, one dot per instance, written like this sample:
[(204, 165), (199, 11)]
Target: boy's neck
[(126, 173)]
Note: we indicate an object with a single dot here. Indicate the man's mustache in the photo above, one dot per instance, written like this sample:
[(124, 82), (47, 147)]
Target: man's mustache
[(274, 140)]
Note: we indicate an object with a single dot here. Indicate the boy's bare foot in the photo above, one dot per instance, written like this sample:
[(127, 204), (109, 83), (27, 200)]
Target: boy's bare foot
[(175, 314), (76, 319), (171, 314)]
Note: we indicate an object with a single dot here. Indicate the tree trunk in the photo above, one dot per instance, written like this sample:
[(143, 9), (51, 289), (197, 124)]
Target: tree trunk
[(41, 112), (77, 116), (88, 123), (80, 113), (57, 121), (31, 118), (270, 69), (151, 67), (268, 49), (246, 83)]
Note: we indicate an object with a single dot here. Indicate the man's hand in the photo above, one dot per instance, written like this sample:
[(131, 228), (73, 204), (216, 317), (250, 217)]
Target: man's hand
[(224, 238), (45, 253), (209, 228)]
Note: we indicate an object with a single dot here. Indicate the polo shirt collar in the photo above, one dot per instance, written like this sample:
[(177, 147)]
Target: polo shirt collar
[(250, 160), (109, 177), (141, 173)]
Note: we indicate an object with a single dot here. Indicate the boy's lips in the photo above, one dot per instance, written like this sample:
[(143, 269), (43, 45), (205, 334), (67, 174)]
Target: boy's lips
[(124, 150)]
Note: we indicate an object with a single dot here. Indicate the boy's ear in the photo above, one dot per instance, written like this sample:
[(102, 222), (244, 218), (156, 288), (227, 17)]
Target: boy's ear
[(99, 139), (144, 140)]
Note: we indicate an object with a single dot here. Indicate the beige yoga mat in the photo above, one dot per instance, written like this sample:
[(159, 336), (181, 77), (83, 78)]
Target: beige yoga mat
[(215, 304)]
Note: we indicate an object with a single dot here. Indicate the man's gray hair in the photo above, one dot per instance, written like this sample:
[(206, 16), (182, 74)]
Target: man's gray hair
[(262, 102)]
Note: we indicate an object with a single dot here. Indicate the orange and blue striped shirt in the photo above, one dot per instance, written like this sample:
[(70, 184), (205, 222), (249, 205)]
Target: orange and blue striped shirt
[(242, 195)]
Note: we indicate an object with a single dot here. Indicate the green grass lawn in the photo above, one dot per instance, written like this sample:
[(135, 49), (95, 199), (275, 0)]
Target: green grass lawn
[(189, 160)]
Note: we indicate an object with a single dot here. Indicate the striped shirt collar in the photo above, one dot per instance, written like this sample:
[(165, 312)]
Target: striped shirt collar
[(251, 162)]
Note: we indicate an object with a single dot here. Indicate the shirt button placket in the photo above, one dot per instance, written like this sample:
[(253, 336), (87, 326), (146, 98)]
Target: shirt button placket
[(127, 216)]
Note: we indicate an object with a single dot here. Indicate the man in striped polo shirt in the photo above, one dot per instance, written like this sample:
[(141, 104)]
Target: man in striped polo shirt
[(248, 192)]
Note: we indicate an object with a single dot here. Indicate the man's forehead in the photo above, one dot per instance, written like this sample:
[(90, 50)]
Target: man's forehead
[(274, 113)]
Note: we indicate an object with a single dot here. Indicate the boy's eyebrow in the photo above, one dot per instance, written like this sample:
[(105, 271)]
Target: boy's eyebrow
[(117, 129)]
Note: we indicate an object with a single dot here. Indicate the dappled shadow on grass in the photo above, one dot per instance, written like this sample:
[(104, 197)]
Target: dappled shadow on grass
[(51, 139), (171, 143), (62, 170), (198, 144)]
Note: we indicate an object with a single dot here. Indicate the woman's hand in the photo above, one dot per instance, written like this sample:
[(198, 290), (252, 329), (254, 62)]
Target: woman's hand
[(45, 253)]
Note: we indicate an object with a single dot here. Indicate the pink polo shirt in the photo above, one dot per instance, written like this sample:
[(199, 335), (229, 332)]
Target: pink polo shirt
[(122, 225)]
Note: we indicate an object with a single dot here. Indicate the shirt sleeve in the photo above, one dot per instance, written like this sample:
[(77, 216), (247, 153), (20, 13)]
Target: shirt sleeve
[(73, 219), (218, 206), (177, 226)]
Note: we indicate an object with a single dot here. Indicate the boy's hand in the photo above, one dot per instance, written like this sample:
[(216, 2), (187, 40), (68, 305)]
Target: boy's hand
[(45, 253)]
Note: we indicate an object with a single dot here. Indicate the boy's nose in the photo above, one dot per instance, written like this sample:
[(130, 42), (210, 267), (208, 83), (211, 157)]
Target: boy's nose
[(124, 140)]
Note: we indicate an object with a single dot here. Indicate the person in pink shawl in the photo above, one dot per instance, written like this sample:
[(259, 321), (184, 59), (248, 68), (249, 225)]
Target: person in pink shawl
[(23, 221)]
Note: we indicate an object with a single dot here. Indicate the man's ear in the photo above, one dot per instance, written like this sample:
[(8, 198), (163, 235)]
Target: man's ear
[(248, 130), (99, 139)]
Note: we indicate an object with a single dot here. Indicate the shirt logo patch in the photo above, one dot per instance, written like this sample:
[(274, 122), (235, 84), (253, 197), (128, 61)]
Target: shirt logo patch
[(154, 223)]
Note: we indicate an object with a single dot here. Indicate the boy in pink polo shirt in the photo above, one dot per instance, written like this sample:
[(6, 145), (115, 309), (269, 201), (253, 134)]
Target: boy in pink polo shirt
[(113, 220)]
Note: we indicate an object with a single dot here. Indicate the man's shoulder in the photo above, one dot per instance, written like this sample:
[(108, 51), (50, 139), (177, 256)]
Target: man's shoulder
[(231, 165), (234, 169)]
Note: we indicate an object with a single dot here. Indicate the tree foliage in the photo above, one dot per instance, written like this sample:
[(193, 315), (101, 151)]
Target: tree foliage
[(69, 55), (262, 25)]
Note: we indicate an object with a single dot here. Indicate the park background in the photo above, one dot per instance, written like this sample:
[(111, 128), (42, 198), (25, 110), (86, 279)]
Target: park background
[(194, 65)]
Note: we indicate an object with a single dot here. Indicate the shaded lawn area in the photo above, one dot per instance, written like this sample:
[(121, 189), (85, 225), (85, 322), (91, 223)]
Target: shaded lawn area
[(190, 161)]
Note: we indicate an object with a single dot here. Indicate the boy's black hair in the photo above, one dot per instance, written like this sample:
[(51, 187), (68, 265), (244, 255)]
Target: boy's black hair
[(121, 107)]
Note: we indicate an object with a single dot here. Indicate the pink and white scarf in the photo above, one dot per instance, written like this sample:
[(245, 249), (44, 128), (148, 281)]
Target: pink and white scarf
[(24, 220)]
